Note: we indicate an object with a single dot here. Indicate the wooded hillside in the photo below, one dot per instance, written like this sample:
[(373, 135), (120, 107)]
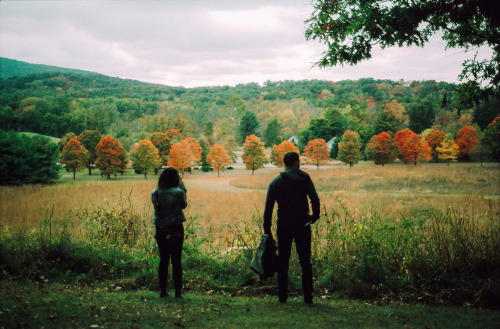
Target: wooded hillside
[(57, 103)]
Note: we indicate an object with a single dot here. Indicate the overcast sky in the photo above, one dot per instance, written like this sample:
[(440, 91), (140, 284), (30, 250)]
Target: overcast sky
[(197, 43)]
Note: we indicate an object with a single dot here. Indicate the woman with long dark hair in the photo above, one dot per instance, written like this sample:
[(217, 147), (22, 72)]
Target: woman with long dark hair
[(169, 199)]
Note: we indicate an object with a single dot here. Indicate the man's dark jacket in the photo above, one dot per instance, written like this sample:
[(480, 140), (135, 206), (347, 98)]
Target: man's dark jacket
[(290, 190)]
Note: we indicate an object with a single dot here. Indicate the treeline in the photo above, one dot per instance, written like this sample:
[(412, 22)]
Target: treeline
[(55, 104)]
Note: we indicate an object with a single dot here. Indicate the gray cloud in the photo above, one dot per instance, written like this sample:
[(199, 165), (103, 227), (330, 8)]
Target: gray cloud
[(193, 43)]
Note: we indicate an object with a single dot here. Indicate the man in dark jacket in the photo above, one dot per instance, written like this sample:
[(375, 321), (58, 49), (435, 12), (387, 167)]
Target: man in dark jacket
[(290, 190)]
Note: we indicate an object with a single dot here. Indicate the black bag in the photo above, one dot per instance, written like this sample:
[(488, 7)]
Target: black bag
[(265, 260)]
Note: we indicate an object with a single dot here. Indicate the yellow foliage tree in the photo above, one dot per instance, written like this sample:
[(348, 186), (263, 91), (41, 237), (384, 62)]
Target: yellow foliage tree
[(448, 150)]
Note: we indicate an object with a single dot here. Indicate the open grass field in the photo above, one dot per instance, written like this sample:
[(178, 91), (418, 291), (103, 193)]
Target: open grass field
[(237, 199), (396, 247)]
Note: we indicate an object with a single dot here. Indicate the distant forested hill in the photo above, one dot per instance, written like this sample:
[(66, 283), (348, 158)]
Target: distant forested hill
[(55, 103), (12, 67)]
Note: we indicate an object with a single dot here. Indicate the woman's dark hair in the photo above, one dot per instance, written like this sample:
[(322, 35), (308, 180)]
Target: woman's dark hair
[(169, 178)]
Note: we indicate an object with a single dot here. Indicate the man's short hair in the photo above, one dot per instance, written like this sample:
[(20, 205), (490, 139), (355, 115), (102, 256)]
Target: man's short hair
[(290, 158)]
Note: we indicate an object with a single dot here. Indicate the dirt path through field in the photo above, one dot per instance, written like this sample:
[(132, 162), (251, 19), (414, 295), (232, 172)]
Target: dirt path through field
[(219, 183)]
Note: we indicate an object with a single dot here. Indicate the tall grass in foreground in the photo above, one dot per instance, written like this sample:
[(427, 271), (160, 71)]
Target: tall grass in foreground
[(431, 254)]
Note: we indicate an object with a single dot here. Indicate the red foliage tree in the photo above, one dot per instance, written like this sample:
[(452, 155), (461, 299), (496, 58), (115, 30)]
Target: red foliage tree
[(317, 150), (111, 156), (382, 148), (467, 139), (435, 138), (279, 151), (411, 147)]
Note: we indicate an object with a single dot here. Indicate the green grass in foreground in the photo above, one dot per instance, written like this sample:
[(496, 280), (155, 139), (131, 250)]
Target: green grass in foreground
[(54, 305)]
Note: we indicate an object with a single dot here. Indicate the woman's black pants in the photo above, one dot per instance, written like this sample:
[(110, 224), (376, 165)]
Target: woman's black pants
[(170, 241)]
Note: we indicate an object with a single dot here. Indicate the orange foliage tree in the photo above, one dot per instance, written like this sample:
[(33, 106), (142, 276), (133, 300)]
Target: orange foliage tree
[(279, 151), (74, 156), (253, 153), (145, 157), (317, 150), (219, 158), (196, 150), (349, 148), (173, 134), (448, 150), (467, 139), (185, 154), (434, 140), (111, 156), (382, 148), (411, 147)]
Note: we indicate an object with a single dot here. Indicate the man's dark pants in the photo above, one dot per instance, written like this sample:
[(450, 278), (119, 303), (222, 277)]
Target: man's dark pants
[(302, 237)]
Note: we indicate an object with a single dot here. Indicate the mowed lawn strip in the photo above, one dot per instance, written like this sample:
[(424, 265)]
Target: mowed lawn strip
[(55, 305)]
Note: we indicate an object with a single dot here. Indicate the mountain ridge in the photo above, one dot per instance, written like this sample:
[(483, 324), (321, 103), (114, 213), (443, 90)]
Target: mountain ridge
[(12, 67)]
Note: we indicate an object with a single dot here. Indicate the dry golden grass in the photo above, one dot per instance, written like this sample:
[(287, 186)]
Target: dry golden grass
[(392, 191)]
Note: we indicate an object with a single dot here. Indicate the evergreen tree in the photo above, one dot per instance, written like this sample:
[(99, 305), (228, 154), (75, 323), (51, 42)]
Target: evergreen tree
[(421, 116), (248, 126), (272, 134), (27, 160)]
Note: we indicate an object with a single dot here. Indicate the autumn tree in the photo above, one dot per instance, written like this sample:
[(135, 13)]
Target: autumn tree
[(448, 151), (349, 148), (62, 143), (317, 150), (382, 148), (219, 158), (253, 153), (185, 154), (89, 140), (111, 156), (145, 157), (180, 156), (434, 140), (174, 135), (162, 143), (398, 112), (196, 151), (279, 151), (467, 139), (411, 147), (74, 156)]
